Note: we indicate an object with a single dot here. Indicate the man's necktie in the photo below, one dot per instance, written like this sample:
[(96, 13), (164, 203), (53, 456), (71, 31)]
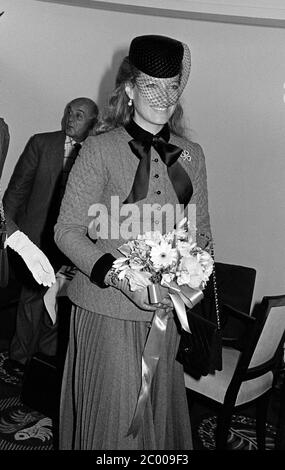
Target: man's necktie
[(68, 163)]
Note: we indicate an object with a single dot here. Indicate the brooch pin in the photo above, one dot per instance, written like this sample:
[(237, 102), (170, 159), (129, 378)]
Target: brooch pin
[(185, 155)]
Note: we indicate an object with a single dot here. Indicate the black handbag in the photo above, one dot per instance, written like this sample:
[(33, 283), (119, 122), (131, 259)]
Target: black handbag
[(4, 267), (200, 351)]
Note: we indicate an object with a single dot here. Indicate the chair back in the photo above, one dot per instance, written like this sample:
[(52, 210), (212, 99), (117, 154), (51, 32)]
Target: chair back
[(271, 328), (262, 351), (235, 285)]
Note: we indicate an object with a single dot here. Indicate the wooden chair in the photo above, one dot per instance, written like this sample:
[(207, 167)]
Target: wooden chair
[(235, 285), (248, 375)]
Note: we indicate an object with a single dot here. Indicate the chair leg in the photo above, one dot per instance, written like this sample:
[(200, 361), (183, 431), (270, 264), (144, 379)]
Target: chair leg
[(223, 425), (280, 434), (261, 414)]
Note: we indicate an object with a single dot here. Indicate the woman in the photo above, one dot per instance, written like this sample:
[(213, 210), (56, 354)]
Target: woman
[(34, 258), (130, 163)]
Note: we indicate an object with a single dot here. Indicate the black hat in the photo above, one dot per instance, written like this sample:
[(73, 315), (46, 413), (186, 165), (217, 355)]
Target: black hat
[(161, 57), (157, 56)]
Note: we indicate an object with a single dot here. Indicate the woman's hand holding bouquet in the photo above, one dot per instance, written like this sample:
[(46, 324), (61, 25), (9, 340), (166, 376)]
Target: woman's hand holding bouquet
[(171, 260)]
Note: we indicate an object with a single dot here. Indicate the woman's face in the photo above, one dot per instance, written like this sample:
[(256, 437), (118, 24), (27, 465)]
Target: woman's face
[(154, 101)]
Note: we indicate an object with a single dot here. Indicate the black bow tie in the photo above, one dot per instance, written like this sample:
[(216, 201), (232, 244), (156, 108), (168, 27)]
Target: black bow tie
[(169, 154)]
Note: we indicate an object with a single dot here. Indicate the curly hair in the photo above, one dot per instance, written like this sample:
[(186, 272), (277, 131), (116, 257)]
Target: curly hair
[(118, 113)]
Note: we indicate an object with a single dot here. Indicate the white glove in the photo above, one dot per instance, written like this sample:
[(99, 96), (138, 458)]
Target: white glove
[(34, 258)]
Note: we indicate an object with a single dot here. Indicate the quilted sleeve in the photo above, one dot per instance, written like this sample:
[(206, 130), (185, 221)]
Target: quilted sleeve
[(84, 188)]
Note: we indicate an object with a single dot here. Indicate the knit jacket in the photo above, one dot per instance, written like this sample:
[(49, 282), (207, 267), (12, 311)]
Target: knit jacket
[(105, 169)]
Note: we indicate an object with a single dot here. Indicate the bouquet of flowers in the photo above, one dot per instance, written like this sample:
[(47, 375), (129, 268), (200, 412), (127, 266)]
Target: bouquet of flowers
[(174, 261), (154, 258)]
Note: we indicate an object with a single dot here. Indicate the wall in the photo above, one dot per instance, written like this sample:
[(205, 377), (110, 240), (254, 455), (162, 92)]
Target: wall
[(234, 105)]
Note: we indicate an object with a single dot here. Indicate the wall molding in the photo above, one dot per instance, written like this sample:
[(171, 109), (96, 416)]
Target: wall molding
[(253, 12)]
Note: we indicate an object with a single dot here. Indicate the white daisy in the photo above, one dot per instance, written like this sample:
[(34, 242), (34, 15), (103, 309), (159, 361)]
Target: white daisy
[(163, 255)]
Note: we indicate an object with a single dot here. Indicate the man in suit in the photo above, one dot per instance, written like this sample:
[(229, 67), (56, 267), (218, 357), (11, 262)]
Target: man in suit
[(32, 199)]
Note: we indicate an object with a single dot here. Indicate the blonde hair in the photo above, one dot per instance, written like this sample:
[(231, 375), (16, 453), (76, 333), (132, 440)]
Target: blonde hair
[(119, 113)]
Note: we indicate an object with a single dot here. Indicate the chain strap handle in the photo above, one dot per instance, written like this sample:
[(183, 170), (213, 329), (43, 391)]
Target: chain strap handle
[(3, 228), (215, 288), (2, 216), (210, 247)]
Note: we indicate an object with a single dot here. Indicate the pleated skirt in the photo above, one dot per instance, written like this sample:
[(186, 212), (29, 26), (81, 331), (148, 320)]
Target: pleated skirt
[(101, 384)]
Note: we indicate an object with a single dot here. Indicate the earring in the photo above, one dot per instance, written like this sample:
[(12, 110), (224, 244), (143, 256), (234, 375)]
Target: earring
[(130, 102)]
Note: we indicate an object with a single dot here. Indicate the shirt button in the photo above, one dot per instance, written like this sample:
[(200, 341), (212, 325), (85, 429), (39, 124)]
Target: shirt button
[(155, 160), (156, 222), (158, 192), (156, 176), (158, 208)]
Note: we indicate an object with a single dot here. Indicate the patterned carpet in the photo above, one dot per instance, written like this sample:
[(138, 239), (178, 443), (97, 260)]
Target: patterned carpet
[(242, 434), (21, 428)]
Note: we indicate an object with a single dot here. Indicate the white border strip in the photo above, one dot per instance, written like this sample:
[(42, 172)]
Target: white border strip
[(241, 11)]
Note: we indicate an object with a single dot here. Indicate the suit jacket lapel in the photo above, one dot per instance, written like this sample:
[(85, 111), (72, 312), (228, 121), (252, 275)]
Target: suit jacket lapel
[(55, 156)]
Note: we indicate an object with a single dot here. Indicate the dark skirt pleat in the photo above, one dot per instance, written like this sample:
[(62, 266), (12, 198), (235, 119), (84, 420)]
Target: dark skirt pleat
[(101, 383)]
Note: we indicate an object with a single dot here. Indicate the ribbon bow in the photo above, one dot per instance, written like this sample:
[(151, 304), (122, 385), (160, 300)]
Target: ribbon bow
[(181, 296), (169, 154)]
